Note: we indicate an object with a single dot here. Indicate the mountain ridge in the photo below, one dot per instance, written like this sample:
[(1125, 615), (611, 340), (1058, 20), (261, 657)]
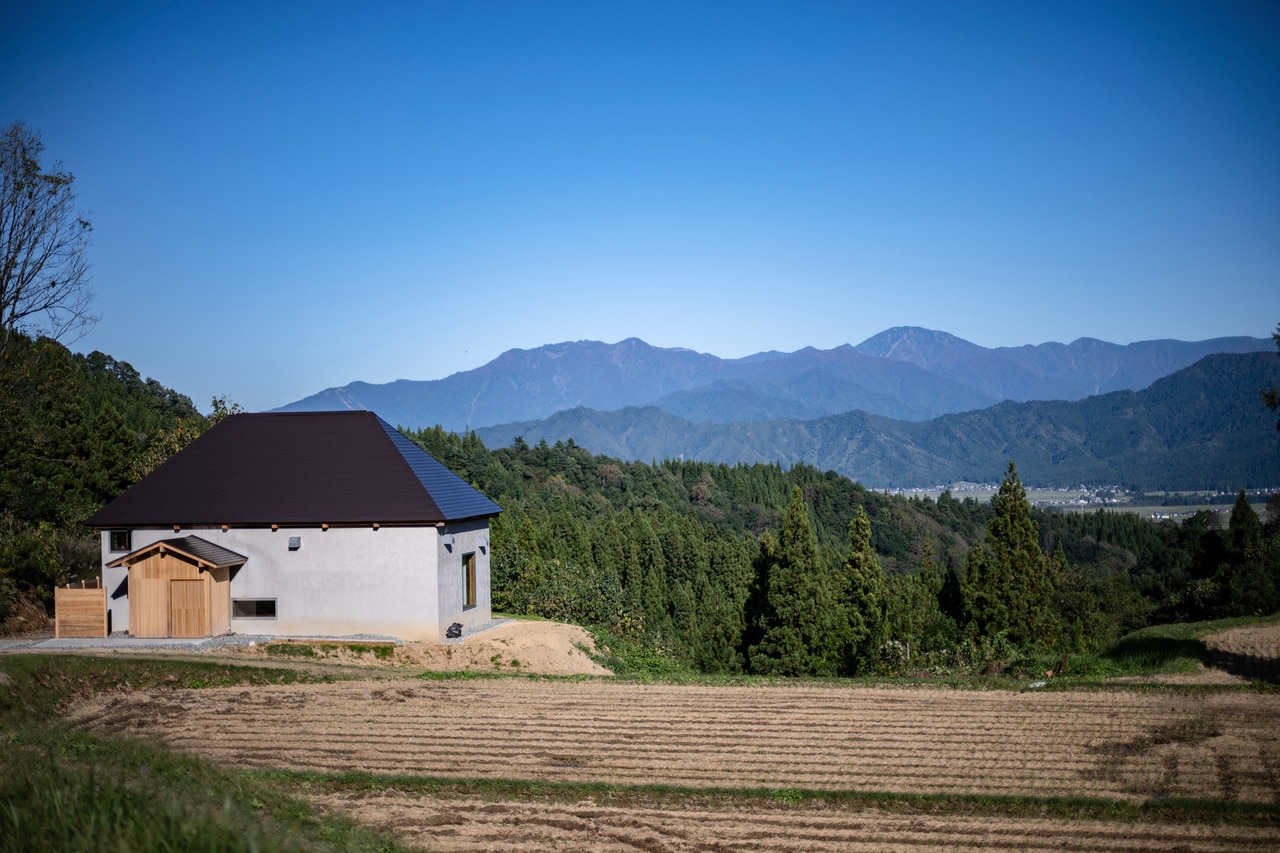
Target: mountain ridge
[(1200, 427), (929, 374)]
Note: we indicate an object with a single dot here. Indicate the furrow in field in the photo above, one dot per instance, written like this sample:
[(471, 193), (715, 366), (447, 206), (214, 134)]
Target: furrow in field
[(442, 823), (1130, 746)]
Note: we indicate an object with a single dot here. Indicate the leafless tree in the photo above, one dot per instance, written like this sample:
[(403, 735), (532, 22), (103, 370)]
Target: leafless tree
[(44, 274)]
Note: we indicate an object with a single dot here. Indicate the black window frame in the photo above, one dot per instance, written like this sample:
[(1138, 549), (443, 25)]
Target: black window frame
[(128, 541), (237, 603)]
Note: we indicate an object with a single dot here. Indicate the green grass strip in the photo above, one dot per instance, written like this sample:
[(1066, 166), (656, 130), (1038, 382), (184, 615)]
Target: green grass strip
[(1165, 810)]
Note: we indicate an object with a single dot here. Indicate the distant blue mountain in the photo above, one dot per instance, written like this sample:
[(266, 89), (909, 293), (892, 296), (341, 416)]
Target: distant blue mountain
[(905, 373), (1203, 427)]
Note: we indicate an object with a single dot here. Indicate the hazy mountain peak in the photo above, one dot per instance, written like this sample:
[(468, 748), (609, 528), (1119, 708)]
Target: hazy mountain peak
[(917, 345)]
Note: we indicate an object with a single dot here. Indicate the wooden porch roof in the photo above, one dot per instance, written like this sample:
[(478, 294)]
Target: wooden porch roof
[(202, 552)]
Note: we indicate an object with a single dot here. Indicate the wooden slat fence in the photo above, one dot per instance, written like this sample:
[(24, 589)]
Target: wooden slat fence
[(80, 612)]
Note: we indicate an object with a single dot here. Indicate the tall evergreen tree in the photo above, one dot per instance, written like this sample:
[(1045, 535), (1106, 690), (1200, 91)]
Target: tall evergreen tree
[(112, 449), (1249, 577), (1009, 589), (915, 613), (797, 631), (1244, 530), (863, 622)]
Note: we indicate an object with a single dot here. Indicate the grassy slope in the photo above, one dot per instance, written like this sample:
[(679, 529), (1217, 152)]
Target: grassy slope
[(63, 789)]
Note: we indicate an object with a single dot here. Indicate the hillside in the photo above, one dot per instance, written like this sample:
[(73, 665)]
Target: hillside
[(904, 373), (1202, 427), (72, 428)]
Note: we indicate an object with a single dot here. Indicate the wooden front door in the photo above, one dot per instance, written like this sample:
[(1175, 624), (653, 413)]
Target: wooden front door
[(148, 606), (188, 608)]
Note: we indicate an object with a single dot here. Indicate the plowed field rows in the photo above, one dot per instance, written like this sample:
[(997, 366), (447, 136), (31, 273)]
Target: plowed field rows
[(1122, 745), (460, 825)]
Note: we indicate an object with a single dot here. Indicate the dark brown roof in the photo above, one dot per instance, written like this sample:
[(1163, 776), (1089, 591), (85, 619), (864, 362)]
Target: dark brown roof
[(298, 468)]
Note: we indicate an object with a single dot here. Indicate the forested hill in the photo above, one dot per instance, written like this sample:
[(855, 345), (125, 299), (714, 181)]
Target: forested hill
[(671, 560), (1202, 427), (75, 432)]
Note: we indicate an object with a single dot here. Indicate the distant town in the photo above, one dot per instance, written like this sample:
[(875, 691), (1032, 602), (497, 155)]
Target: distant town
[(1154, 505)]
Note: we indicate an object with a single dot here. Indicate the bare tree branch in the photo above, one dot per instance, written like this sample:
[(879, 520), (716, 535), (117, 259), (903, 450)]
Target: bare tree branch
[(44, 274)]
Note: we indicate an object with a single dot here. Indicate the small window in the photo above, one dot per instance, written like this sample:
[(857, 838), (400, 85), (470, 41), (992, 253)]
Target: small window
[(253, 608), (121, 540), (469, 579)]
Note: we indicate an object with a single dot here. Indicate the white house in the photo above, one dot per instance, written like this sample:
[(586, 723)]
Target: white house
[(298, 524)]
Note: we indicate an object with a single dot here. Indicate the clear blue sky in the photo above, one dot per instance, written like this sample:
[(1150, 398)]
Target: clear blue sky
[(287, 198)]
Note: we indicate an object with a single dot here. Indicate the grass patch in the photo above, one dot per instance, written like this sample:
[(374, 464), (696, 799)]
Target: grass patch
[(379, 651), (290, 650), (1156, 650), (41, 685), (682, 797), (63, 791), (67, 789), (1178, 647), (520, 617), (630, 656)]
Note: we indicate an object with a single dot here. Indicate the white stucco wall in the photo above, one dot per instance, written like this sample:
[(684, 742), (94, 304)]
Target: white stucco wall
[(114, 582), (468, 537), (395, 581)]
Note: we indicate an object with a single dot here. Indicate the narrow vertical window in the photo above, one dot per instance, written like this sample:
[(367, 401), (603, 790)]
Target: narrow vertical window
[(469, 579)]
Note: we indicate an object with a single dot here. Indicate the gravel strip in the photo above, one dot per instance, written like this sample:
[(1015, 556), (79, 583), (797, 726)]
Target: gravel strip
[(122, 641)]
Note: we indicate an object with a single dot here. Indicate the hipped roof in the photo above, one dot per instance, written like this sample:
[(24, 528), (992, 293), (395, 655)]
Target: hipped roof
[(298, 469)]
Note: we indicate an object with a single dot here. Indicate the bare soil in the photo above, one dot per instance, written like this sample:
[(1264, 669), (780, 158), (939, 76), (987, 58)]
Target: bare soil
[(518, 646), (470, 824), (1125, 746)]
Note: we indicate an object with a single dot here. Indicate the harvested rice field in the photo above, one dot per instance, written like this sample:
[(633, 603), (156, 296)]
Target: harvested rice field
[(733, 743), (468, 824), (527, 764), (1123, 745)]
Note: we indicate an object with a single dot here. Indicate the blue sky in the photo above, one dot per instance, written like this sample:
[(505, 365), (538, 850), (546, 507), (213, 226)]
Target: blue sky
[(288, 197)]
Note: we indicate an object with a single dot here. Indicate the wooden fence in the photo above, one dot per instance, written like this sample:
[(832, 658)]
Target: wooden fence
[(80, 611)]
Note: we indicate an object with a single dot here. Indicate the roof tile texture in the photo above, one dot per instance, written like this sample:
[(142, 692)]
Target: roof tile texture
[(298, 469)]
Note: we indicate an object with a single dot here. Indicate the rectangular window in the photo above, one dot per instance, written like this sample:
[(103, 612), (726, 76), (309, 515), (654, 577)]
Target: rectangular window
[(469, 579), (253, 608), (120, 540)]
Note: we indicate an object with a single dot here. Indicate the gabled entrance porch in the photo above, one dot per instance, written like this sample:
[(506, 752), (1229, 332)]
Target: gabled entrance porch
[(180, 588)]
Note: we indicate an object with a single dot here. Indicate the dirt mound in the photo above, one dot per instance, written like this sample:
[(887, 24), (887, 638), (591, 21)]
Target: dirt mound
[(541, 648), (545, 648)]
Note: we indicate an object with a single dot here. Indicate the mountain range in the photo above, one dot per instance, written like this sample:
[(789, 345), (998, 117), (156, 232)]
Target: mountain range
[(1203, 427), (906, 373), (907, 407)]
